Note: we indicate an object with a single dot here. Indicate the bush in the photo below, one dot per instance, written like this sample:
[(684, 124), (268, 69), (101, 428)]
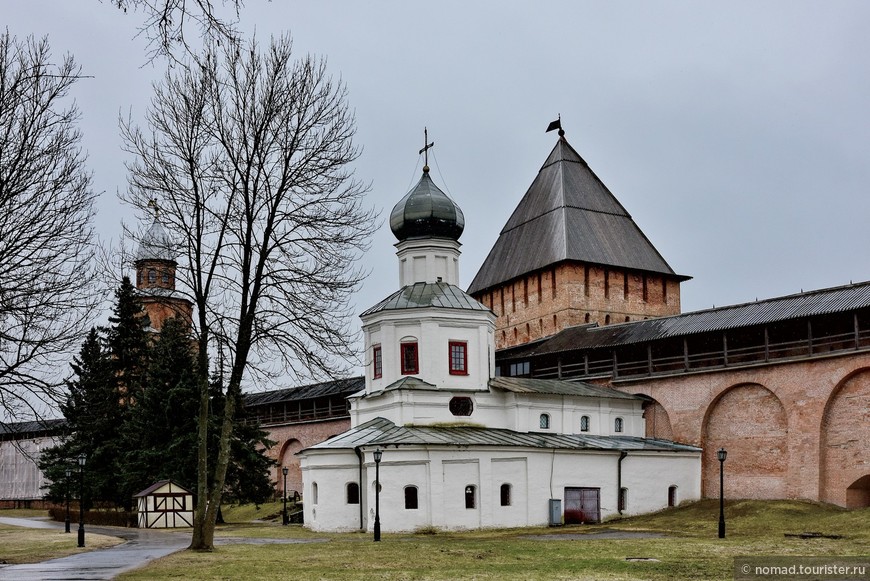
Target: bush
[(104, 517)]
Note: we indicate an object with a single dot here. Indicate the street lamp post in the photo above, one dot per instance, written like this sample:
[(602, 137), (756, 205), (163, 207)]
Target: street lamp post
[(286, 518), (378, 454), (722, 454), (68, 475), (82, 460)]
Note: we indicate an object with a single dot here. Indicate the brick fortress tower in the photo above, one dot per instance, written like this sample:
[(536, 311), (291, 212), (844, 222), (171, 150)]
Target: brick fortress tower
[(570, 254), (155, 277)]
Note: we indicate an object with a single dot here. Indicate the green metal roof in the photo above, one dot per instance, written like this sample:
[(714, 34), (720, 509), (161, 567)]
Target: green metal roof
[(425, 295), (382, 432), (556, 387)]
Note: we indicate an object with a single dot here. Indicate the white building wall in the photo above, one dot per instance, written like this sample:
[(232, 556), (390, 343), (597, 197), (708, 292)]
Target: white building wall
[(648, 476), (428, 260), (441, 475)]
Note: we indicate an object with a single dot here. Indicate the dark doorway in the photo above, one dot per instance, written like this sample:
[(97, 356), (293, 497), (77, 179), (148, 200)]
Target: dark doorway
[(582, 505)]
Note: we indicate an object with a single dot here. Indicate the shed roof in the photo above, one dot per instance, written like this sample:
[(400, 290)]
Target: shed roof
[(382, 432), (157, 486), (567, 214), (805, 304)]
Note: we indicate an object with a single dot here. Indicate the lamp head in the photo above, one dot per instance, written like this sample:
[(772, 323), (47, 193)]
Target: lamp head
[(722, 454), (378, 454), (285, 470), (82, 459)]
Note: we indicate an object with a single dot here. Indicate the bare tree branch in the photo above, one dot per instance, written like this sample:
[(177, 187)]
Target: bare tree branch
[(167, 23), (46, 233), (247, 154)]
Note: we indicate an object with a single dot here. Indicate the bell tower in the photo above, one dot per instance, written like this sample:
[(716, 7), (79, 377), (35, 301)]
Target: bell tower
[(155, 276)]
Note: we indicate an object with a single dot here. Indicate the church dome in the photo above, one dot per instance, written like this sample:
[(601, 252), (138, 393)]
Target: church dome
[(426, 211), (156, 244)]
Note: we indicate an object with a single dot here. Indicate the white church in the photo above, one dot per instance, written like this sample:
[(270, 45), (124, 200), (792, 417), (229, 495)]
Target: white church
[(460, 448)]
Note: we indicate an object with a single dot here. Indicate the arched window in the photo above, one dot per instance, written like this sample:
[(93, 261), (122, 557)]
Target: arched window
[(545, 421), (672, 496), (411, 498), (313, 493), (607, 319), (164, 276), (586, 318), (352, 493), (584, 424), (623, 499), (152, 276), (505, 494), (617, 425), (470, 496)]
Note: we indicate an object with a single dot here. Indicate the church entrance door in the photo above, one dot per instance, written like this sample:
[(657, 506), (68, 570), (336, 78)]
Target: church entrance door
[(582, 505)]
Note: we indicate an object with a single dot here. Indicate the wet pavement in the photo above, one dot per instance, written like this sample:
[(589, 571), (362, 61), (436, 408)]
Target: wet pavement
[(140, 547)]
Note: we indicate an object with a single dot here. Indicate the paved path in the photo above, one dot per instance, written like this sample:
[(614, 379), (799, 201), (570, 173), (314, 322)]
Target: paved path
[(141, 546)]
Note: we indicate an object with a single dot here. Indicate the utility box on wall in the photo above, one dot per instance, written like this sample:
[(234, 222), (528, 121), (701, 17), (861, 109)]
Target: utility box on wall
[(555, 512)]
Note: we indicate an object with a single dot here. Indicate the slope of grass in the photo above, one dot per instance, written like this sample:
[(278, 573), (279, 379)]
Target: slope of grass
[(23, 545), (689, 551)]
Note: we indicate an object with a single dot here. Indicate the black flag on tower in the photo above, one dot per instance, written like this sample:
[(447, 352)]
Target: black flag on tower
[(557, 124)]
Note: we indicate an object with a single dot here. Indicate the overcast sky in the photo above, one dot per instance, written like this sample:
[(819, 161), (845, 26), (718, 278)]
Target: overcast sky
[(736, 134)]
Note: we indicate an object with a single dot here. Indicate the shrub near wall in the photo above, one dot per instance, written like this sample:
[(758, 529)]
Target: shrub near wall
[(104, 517)]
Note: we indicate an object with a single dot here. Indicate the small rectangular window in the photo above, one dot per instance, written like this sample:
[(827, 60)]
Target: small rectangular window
[(377, 362), (458, 358), (409, 359)]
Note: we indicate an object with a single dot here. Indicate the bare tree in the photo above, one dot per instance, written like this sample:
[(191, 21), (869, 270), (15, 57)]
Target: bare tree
[(248, 154), (46, 235), (167, 22)]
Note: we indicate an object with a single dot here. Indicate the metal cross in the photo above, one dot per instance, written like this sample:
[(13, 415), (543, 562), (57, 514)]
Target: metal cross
[(426, 146)]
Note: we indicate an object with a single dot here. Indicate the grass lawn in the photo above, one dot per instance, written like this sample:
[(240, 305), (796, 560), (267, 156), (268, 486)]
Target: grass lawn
[(23, 545), (689, 551)]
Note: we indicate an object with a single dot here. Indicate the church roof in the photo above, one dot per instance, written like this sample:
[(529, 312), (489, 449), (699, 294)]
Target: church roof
[(567, 214), (426, 211), (423, 295), (156, 244), (382, 432), (556, 387)]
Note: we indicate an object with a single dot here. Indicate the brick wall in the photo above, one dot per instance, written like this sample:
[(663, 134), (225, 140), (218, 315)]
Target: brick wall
[(294, 437), (792, 430)]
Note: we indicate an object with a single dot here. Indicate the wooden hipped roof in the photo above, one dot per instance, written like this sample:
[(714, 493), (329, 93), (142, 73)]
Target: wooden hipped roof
[(567, 214)]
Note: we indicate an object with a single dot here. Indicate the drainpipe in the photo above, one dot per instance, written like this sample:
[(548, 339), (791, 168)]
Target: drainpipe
[(622, 455), (361, 488)]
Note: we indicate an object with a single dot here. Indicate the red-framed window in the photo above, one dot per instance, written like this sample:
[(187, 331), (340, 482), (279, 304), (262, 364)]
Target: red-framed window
[(410, 364), (377, 362), (458, 358)]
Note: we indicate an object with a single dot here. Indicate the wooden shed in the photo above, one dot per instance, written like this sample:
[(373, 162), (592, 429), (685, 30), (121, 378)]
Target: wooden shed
[(164, 505)]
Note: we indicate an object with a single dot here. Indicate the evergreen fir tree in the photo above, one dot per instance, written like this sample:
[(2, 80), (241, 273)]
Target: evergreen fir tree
[(86, 413), (162, 422)]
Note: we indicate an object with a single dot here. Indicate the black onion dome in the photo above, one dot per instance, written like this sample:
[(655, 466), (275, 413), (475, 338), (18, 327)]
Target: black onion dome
[(426, 211)]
